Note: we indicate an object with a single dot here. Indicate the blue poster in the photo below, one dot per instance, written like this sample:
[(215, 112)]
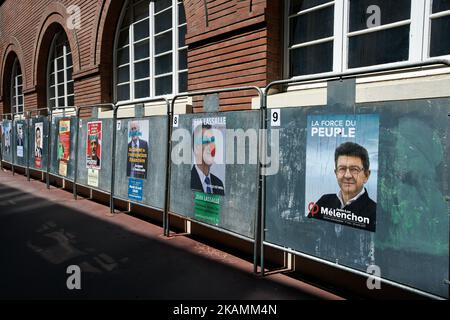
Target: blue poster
[(135, 187), (342, 169)]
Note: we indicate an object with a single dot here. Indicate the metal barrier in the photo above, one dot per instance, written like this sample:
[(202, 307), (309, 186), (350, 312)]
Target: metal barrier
[(50, 155), (30, 115), (113, 167), (79, 108), (331, 76), (167, 204)]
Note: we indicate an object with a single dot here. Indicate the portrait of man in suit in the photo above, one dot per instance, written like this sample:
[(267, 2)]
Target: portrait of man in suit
[(204, 152), (352, 171), (137, 149)]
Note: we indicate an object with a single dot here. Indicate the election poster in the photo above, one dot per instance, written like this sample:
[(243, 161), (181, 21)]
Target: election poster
[(342, 169), (38, 144), (94, 145), (138, 149), (93, 177), (19, 140), (7, 137), (208, 155), (63, 146)]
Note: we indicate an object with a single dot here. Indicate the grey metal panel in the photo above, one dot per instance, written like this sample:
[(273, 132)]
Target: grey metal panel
[(44, 121), (54, 166), (7, 153), (240, 202), (411, 244), (154, 185), (104, 179), (20, 161)]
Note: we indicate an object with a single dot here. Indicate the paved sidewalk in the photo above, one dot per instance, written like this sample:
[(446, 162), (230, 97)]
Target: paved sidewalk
[(43, 231)]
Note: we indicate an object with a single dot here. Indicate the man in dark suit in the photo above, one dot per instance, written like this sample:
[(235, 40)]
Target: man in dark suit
[(351, 205), (204, 149), (137, 153)]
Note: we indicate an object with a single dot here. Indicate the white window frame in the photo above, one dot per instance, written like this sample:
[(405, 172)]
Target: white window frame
[(175, 73), (420, 35), (52, 69), (16, 83), (429, 16)]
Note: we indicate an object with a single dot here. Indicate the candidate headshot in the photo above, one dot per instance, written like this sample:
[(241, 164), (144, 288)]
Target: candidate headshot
[(352, 171), (204, 151)]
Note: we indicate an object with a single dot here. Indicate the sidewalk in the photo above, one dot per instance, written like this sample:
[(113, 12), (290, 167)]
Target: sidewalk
[(42, 232)]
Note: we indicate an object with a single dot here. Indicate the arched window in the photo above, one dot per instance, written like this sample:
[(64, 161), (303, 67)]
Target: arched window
[(16, 88), (151, 55), (59, 78)]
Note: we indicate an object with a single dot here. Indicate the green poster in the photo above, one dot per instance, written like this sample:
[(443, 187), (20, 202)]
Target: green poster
[(207, 207)]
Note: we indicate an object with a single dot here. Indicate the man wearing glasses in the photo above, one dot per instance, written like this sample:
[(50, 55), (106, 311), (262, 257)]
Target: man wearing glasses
[(204, 148), (351, 204)]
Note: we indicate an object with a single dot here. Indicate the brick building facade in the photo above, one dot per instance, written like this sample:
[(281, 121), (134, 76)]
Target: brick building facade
[(230, 43)]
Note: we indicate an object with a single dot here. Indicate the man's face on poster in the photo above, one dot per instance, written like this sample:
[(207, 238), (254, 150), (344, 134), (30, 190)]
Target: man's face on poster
[(94, 147), (19, 130), (134, 131), (38, 138), (205, 147), (351, 175)]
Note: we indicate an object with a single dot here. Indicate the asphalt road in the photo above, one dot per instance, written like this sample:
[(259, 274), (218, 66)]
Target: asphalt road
[(43, 232)]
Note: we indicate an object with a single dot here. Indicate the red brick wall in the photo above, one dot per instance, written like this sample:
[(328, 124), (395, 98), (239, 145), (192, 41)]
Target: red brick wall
[(230, 44)]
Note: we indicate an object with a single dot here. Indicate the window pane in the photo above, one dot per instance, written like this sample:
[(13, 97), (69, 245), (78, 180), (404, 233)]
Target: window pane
[(163, 64), (163, 43), (182, 59), (61, 102), (123, 56), (380, 47), (181, 14), (142, 89), (69, 60), (162, 4), (124, 38), (182, 36), (70, 87), (141, 30), (141, 10), (61, 90), (127, 18), (182, 82), (163, 85), (299, 5), (440, 36), (391, 11), (60, 63), (20, 100), (163, 21), (60, 76), (141, 50), (51, 92), (123, 92), (123, 74), (441, 5), (52, 103), (311, 59), (70, 100), (19, 90), (59, 50), (315, 25), (69, 74), (141, 69)]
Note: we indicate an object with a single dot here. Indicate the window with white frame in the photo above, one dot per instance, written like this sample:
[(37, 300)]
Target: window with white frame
[(60, 68), (151, 54), (16, 88), (333, 36)]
